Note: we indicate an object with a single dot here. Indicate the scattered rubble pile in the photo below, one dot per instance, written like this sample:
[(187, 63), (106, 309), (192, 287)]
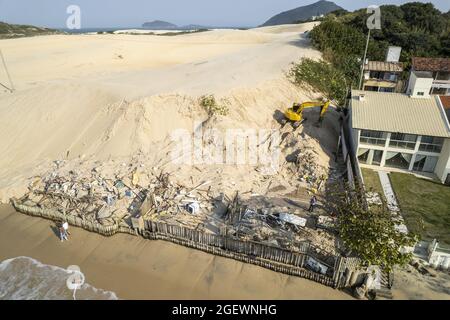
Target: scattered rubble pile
[(98, 194), (304, 161), (110, 193), (86, 194), (309, 170), (279, 227), (173, 203)]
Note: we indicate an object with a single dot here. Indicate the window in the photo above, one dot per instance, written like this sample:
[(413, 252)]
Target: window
[(431, 144), (373, 137), (363, 155), (425, 163), (376, 75), (403, 141), (377, 155), (370, 156), (420, 93), (398, 160), (390, 76)]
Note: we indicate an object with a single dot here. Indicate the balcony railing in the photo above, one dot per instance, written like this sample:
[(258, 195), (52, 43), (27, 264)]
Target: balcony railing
[(441, 84)]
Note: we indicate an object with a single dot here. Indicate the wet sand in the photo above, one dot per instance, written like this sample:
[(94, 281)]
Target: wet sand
[(135, 268)]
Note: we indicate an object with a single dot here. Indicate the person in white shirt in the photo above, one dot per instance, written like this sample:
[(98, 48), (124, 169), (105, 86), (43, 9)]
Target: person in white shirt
[(62, 233), (66, 227)]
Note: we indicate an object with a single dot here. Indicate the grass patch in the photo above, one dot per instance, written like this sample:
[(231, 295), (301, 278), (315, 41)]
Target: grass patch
[(425, 206), (372, 181)]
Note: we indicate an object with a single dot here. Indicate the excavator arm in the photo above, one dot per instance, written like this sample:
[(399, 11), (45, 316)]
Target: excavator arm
[(324, 110)]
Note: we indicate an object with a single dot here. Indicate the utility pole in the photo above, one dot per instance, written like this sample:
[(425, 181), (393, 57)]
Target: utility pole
[(7, 73), (364, 61)]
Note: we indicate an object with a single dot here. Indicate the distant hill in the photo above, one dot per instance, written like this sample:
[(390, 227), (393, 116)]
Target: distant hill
[(302, 13), (9, 31), (159, 25), (163, 25)]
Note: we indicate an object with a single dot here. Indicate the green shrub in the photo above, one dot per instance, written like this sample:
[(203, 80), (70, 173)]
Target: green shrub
[(322, 76), (209, 103)]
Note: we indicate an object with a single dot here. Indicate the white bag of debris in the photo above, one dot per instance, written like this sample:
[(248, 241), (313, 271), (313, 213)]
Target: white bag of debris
[(193, 207), (292, 219), (316, 266)]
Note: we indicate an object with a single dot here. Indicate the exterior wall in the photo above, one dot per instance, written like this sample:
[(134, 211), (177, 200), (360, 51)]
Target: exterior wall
[(417, 85), (443, 165), (442, 169)]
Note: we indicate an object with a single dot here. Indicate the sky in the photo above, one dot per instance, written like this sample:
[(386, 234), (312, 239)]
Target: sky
[(132, 13)]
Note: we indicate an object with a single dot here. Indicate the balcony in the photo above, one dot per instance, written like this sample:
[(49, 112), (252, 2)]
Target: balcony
[(441, 84)]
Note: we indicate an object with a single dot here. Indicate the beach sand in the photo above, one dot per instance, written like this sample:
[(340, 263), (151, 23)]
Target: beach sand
[(135, 268)]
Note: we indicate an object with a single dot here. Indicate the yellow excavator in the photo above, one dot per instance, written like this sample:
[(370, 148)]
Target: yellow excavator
[(295, 114)]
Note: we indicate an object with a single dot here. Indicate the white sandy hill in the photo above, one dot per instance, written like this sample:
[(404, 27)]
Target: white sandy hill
[(106, 97)]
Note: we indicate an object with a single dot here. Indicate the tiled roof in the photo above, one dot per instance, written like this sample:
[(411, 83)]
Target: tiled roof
[(396, 112), (384, 66), (445, 100), (431, 64)]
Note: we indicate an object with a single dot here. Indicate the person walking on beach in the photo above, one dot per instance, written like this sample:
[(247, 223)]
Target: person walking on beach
[(62, 233), (65, 225), (312, 204)]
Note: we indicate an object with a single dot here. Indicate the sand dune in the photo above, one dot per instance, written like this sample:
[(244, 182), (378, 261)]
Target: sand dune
[(203, 58), (112, 96)]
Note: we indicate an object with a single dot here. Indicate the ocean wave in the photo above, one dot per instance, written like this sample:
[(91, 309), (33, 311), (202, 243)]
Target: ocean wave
[(24, 278)]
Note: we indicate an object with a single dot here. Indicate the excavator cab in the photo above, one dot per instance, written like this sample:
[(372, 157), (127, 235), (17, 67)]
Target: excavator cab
[(295, 114)]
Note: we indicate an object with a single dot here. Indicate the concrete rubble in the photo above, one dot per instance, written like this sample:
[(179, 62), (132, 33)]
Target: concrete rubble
[(109, 194)]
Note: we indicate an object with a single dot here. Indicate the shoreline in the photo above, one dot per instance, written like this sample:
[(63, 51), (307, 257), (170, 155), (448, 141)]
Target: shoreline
[(136, 268)]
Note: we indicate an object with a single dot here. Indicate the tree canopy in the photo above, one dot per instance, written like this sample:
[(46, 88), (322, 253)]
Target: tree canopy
[(419, 28)]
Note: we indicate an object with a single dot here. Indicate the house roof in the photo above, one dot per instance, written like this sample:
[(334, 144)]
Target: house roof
[(445, 100), (431, 64), (384, 66), (396, 112)]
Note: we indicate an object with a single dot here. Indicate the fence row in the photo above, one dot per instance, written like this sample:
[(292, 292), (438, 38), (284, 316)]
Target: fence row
[(270, 257)]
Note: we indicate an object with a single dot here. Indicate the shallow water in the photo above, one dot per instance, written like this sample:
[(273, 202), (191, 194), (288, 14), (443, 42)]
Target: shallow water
[(24, 278)]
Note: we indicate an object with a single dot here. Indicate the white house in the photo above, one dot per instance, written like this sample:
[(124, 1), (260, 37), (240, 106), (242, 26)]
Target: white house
[(438, 69), (406, 132)]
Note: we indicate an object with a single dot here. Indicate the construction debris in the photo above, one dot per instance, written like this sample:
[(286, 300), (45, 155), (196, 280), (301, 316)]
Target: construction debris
[(308, 168), (130, 194)]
